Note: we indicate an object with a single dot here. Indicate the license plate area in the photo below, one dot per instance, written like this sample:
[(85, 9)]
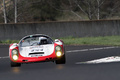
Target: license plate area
[(36, 54)]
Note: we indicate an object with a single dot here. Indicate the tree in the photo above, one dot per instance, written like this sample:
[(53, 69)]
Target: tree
[(4, 12), (50, 10), (90, 8), (15, 11), (93, 9), (110, 9)]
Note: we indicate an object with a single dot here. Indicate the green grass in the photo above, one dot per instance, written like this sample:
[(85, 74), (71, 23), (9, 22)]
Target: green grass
[(8, 41), (107, 40)]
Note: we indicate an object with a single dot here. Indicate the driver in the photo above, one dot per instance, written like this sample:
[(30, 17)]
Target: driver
[(42, 40)]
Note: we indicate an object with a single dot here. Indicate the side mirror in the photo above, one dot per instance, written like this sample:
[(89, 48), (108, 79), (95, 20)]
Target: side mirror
[(15, 44), (56, 40), (59, 42)]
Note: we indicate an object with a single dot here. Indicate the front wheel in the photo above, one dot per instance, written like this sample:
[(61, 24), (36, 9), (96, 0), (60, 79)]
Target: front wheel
[(13, 64), (62, 60)]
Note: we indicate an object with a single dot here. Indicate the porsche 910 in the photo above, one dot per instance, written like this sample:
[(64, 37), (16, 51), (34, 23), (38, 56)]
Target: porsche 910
[(37, 48)]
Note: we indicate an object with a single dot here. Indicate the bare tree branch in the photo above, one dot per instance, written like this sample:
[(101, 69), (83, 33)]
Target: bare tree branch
[(15, 11), (76, 14), (4, 12)]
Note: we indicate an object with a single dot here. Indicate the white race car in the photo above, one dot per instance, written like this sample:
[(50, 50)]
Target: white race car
[(37, 48)]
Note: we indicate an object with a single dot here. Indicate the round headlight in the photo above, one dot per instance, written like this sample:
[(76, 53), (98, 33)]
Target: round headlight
[(58, 48), (59, 53), (14, 52), (15, 57)]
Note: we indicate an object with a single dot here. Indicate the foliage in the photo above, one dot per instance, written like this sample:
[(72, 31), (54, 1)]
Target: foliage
[(107, 40), (8, 41), (43, 11), (52, 10)]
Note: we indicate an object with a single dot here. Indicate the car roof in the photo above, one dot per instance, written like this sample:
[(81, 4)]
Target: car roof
[(41, 35)]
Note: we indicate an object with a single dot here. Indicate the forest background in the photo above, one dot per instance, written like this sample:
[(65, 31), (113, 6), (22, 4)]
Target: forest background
[(18, 11)]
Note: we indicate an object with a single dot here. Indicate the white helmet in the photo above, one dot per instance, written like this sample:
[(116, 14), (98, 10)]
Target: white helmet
[(43, 40)]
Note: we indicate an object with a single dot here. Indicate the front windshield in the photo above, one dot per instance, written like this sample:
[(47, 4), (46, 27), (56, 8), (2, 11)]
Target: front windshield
[(35, 40)]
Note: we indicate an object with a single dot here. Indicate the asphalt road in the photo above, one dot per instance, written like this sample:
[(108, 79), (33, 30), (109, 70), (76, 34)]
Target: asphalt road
[(68, 71)]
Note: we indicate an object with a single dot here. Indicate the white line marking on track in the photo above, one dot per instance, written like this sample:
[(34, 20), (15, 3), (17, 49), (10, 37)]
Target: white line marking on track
[(102, 60), (92, 49), (4, 57)]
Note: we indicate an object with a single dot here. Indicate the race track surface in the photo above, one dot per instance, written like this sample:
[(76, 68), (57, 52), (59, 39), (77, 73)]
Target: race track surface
[(68, 71)]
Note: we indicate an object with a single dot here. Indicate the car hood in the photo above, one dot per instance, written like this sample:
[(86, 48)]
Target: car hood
[(40, 50)]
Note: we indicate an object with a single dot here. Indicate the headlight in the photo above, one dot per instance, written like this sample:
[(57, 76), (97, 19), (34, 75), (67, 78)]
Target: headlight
[(14, 51), (58, 48), (15, 54), (15, 57), (58, 51)]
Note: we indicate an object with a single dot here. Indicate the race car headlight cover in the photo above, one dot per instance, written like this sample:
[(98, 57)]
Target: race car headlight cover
[(15, 54), (58, 51)]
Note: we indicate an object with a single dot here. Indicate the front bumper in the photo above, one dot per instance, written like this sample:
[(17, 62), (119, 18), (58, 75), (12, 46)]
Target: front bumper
[(22, 59)]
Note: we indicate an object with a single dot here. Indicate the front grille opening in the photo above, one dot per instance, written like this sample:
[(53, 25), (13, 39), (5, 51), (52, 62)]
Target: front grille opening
[(36, 53), (24, 60)]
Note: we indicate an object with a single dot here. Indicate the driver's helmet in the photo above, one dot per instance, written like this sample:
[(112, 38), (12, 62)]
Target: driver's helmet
[(43, 40)]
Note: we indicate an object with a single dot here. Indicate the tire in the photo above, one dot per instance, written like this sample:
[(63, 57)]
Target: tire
[(13, 64), (61, 60)]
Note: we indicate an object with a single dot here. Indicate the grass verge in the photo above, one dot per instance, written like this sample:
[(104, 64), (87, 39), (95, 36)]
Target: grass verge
[(107, 40), (8, 41)]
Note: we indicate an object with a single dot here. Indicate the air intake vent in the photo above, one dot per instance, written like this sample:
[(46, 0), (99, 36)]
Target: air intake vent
[(36, 53)]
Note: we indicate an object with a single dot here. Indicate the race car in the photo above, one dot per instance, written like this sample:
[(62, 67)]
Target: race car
[(37, 48)]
